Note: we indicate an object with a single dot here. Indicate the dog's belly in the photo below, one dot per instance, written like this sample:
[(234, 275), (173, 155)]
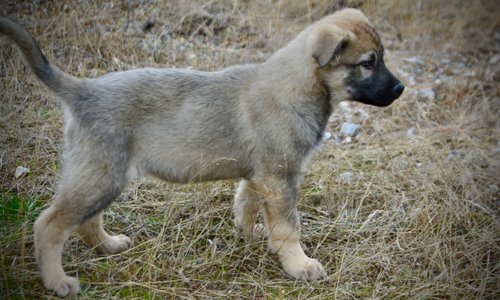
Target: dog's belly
[(185, 148), (196, 169)]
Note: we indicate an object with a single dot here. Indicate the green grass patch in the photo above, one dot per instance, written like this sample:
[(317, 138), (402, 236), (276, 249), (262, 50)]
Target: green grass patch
[(16, 208)]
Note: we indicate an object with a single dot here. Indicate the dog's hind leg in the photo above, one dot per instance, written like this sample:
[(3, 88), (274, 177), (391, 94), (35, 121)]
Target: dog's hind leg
[(282, 220), (84, 191), (246, 207), (93, 234), (52, 229)]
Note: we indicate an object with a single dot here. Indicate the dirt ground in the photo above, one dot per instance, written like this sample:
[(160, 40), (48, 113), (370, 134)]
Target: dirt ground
[(406, 206)]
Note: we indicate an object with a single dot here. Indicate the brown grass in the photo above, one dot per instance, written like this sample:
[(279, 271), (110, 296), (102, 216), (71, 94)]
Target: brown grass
[(418, 218)]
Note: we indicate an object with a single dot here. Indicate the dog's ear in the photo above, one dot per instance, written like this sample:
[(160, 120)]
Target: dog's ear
[(328, 46)]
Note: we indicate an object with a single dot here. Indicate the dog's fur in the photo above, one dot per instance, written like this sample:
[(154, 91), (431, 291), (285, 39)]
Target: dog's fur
[(258, 123)]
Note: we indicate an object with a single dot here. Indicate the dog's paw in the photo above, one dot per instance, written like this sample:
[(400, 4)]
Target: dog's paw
[(259, 231), (115, 244), (254, 233), (308, 270), (63, 286)]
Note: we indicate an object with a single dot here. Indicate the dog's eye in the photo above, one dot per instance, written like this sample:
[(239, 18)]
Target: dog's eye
[(368, 64)]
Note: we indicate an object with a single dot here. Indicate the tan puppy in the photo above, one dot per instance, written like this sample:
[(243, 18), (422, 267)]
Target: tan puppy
[(258, 123)]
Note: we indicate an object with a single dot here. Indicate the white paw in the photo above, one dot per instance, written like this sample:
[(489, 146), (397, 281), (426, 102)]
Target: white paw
[(308, 270), (116, 244), (64, 286)]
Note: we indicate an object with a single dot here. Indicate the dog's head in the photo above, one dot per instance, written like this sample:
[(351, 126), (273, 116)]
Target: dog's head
[(350, 60)]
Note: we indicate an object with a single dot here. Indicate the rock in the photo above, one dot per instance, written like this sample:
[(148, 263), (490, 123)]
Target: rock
[(350, 129), (345, 177), (415, 60), (454, 154), (470, 73), (345, 106), (411, 132), (494, 59), (326, 136), (410, 79), (497, 35), (148, 25), (21, 171), (427, 93), (373, 217)]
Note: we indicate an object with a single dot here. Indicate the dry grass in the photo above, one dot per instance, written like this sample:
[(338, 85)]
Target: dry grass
[(417, 218)]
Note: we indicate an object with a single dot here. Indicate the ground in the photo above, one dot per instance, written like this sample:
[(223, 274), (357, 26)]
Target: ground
[(405, 207)]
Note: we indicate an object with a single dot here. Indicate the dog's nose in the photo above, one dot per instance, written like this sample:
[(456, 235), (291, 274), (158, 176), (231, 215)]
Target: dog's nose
[(398, 88)]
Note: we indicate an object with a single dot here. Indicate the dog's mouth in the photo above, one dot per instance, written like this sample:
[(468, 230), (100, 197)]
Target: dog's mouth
[(387, 96), (382, 98), (380, 89)]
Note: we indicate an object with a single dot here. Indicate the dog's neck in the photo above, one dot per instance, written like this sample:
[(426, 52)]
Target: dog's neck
[(296, 77)]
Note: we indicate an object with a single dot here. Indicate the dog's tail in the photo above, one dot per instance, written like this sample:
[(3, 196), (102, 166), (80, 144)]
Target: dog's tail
[(55, 79)]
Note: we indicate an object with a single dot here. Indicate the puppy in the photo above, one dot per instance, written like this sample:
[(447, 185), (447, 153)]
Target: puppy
[(257, 123)]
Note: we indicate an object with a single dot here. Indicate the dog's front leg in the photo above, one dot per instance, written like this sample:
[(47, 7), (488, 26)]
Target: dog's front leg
[(246, 207), (282, 220)]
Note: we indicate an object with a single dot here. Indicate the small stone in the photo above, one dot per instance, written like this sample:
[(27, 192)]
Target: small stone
[(494, 59), (470, 73), (373, 216), (326, 136), (345, 106), (148, 25), (454, 154), (411, 132), (415, 60), (346, 177), (350, 129), (497, 35), (347, 140), (427, 93), (415, 213), (21, 171)]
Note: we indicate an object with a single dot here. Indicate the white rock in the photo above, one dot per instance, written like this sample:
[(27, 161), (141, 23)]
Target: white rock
[(345, 106), (470, 73), (350, 129), (455, 154), (347, 140), (415, 60), (494, 59), (326, 135), (411, 132), (427, 93), (21, 171), (416, 212), (373, 216), (409, 78), (346, 177)]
